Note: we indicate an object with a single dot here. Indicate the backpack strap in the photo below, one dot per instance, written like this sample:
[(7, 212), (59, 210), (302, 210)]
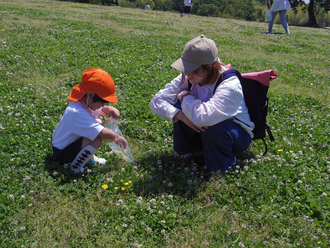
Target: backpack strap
[(225, 75)]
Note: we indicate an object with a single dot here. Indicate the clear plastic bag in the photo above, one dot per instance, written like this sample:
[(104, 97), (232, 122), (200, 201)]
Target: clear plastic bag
[(268, 15), (124, 154)]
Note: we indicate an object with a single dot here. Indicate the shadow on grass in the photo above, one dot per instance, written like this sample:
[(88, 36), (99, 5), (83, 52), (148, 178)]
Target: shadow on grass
[(62, 172), (272, 33), (170, 174)]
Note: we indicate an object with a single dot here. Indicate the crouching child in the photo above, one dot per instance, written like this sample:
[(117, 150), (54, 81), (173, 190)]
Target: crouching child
[(80, 132)]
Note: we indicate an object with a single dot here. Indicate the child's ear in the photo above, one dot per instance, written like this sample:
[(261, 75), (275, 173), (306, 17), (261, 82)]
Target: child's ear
[(91, 94)]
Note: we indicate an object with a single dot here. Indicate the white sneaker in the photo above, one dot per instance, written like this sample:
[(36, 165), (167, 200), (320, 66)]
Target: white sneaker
[(97, 160)]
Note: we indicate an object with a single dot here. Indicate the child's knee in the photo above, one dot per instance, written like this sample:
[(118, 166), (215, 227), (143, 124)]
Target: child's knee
[(97, 142)]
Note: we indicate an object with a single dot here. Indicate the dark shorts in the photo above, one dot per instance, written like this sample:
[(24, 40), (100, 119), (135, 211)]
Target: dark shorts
[(69, 153), (186, 9)]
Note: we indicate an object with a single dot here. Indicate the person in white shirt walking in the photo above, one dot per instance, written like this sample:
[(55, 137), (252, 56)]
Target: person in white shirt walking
[(218, 124), (147, 6), (187, 8), (281, 7)]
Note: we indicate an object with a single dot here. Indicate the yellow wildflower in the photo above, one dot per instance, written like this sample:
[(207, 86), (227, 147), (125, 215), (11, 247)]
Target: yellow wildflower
[(104, 186), (122, 188), (116, 188), (126, 184), (280, 150)]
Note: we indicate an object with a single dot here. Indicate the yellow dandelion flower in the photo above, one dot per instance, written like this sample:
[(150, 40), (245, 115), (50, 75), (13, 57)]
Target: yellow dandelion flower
[(5, 45), (122, 188), (116, 188), (121, 181), (280, 150), (291, 151), (129, 181), (104, 186), (126, 184)]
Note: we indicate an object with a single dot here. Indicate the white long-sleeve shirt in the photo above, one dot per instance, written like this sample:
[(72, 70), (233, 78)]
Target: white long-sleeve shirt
[(202, 107)]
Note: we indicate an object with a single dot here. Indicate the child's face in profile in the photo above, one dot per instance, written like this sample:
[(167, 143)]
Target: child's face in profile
[(95, 105)]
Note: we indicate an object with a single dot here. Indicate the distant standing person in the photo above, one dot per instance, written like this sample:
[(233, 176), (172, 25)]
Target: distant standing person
[(147, 6), (281, 7), (187, 8)]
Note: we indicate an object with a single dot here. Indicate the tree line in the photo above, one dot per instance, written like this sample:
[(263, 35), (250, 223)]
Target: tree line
[(249, 10)]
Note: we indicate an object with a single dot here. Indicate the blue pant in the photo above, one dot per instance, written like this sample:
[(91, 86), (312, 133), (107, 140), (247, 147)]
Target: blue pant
[(282, 19), (220, 143)]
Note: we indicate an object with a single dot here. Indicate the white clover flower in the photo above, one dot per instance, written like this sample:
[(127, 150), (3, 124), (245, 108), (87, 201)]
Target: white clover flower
[(23, 197), (170, 197), (152, 201), (160, 212), (162, 202), (241, 245), (132, 217), (120, 201), (299, 181), (140, 198), (163, 222), (148, 229), (122, 169), (324, 194), (162, 232), (11, 197), (109, 180), (170, 185), (189, 182), (274, 177)]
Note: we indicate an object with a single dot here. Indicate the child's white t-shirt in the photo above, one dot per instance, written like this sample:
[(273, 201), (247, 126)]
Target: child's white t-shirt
[(75, 123)]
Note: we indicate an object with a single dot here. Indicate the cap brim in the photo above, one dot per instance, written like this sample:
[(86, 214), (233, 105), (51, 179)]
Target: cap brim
[(184, 67), (112, 99)]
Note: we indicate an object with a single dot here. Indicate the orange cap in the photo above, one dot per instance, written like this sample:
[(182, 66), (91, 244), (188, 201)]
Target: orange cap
[(97, 81)]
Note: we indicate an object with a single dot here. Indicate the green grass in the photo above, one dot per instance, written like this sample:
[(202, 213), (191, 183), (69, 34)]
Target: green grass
[(280, 200)]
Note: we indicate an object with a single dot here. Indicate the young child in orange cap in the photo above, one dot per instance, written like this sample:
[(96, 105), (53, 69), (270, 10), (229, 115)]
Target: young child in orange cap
[(80, 133)]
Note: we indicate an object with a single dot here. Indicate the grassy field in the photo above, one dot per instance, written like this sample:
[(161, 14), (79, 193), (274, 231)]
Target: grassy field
[(280, 200)]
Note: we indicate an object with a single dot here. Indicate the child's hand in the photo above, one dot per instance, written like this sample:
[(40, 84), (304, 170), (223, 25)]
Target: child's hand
[(109, 110), (122, 142), (182, 94)]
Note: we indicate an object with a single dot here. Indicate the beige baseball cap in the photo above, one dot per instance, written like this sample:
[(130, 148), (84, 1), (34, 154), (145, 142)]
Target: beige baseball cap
[(199, 51)]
